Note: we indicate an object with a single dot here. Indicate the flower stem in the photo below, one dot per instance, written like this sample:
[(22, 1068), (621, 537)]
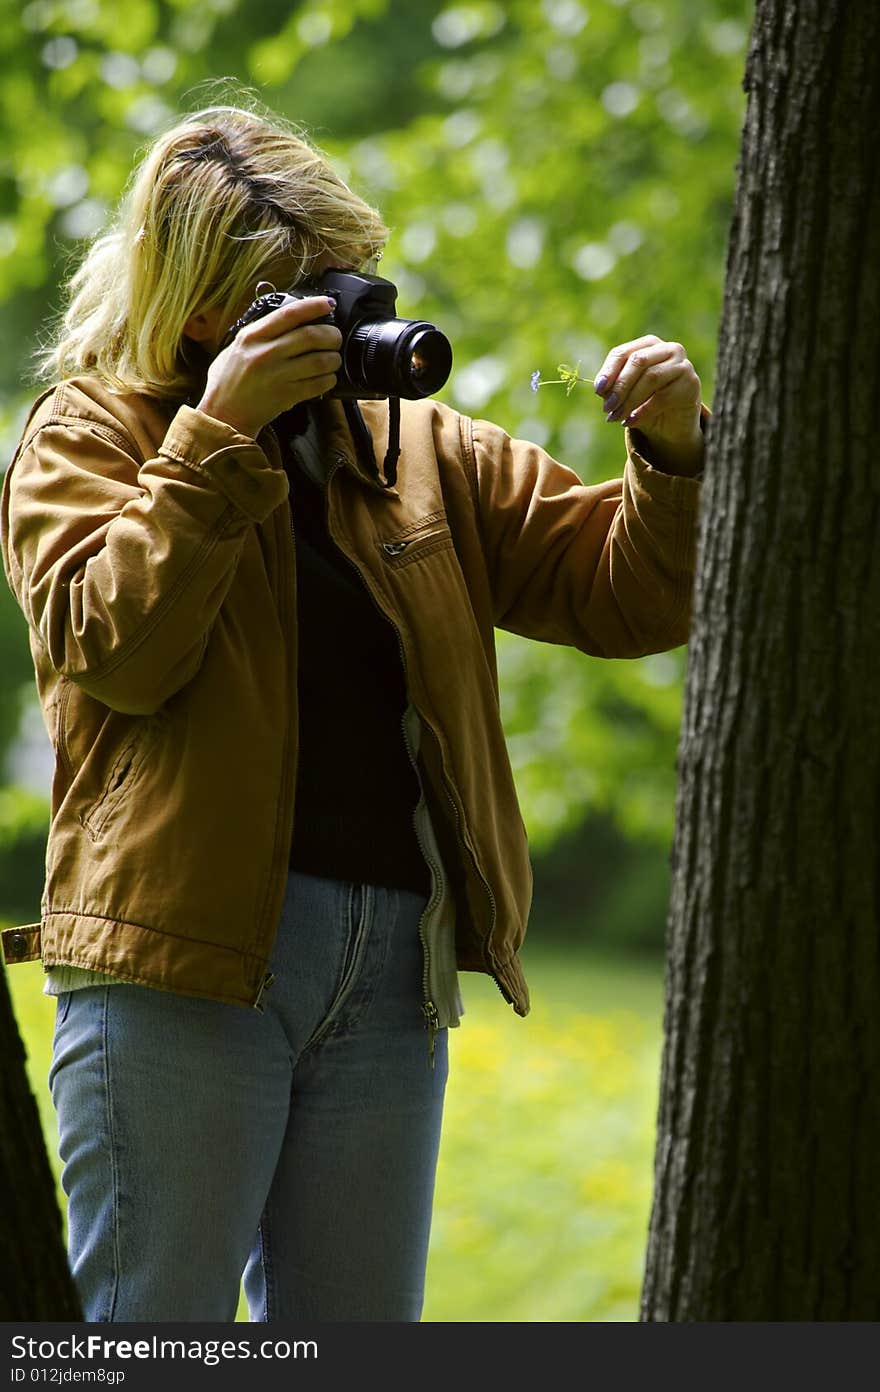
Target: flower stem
[(568, 378)]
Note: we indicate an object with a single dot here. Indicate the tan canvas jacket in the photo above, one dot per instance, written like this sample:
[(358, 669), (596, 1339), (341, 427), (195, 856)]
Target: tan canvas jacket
[(150, 548)]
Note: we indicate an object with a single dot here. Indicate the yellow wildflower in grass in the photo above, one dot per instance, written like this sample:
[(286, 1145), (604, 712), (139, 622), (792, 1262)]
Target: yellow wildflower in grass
[(610, 1182), (548, 1137)]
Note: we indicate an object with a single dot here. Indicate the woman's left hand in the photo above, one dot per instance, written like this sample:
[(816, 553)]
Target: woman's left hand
[(652, 386)]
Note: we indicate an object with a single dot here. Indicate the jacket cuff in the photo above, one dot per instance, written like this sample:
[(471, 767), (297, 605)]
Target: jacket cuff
[(677, 490), (682, 490), (233, 462)]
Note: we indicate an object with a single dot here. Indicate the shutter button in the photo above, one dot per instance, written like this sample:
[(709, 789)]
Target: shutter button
[(17, 944)]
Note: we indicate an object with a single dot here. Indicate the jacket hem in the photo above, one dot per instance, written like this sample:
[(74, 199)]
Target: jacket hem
[(115, 944)]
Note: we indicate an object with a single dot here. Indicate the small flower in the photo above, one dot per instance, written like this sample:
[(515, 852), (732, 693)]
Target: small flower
[(568, 378)]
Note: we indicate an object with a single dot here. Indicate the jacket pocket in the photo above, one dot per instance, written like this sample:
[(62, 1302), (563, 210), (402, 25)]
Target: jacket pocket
[(124, 774), (415, 543)]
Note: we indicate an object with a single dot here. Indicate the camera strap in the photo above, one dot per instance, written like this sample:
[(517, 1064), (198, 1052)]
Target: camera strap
[(392, 454), (364, 441)]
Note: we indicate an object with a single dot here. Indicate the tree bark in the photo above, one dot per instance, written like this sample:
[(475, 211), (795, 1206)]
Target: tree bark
[(767, 1168), (35, 1279)]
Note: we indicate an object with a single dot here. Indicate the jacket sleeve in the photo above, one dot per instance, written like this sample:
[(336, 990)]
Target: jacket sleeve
[(607, 568), (120, 566)]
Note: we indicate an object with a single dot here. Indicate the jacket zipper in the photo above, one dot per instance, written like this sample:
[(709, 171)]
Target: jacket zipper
[(429, 1009), (459, 822), (269, 977), (264, 986), (394, 548)]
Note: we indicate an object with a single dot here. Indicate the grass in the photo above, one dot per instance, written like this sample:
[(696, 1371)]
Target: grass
[(545, 1173)]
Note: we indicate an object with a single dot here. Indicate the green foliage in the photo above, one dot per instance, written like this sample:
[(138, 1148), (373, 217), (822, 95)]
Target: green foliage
[(559, 179), (22, 814), (24, 825), (596, 887), (16, 671)]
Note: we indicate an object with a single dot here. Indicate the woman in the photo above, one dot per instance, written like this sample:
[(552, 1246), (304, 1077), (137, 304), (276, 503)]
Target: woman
[(283, 817)]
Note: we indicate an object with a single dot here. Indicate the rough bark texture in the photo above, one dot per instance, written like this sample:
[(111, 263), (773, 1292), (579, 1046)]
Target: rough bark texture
[(768, 1149), (35, 1280)]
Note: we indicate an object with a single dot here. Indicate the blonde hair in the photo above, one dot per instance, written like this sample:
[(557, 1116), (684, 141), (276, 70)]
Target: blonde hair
[(215, 200)]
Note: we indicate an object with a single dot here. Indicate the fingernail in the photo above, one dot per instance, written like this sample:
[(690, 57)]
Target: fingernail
[(599, 385), (609, 418), (611, 401), (630, 419)]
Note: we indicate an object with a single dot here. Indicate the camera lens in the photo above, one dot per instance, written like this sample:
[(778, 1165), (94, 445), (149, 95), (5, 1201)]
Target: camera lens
[(398, 357), (430, 360)]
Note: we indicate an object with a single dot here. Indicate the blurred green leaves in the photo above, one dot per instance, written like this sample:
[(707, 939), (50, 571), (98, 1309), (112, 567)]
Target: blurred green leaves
[(274, 59), (558, 175)]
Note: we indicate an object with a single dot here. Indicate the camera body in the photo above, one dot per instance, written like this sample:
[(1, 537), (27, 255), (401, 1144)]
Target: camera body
[(382, 355)]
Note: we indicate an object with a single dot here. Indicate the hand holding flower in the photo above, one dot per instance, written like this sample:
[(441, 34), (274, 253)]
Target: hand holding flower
[(651, 386)]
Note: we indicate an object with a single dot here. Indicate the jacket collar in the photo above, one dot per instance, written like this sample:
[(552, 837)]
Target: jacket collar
[(338, 442)]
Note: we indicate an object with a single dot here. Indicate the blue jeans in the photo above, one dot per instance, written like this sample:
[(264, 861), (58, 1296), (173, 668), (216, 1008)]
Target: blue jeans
[(202, 1141)]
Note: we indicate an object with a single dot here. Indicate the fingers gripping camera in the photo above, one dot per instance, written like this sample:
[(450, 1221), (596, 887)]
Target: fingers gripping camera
[(382, 355)]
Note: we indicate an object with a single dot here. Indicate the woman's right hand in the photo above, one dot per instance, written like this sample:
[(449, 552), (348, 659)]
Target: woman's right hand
[(272, 365)]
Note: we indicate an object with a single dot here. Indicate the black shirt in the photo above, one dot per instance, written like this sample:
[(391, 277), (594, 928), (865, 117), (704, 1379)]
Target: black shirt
[(356, 787)]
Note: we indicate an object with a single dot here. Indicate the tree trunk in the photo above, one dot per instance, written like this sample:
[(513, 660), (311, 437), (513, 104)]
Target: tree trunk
[(767, 1169), (35, 1279)]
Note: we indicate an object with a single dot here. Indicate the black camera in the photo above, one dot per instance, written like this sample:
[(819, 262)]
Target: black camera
[(381, 355)]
